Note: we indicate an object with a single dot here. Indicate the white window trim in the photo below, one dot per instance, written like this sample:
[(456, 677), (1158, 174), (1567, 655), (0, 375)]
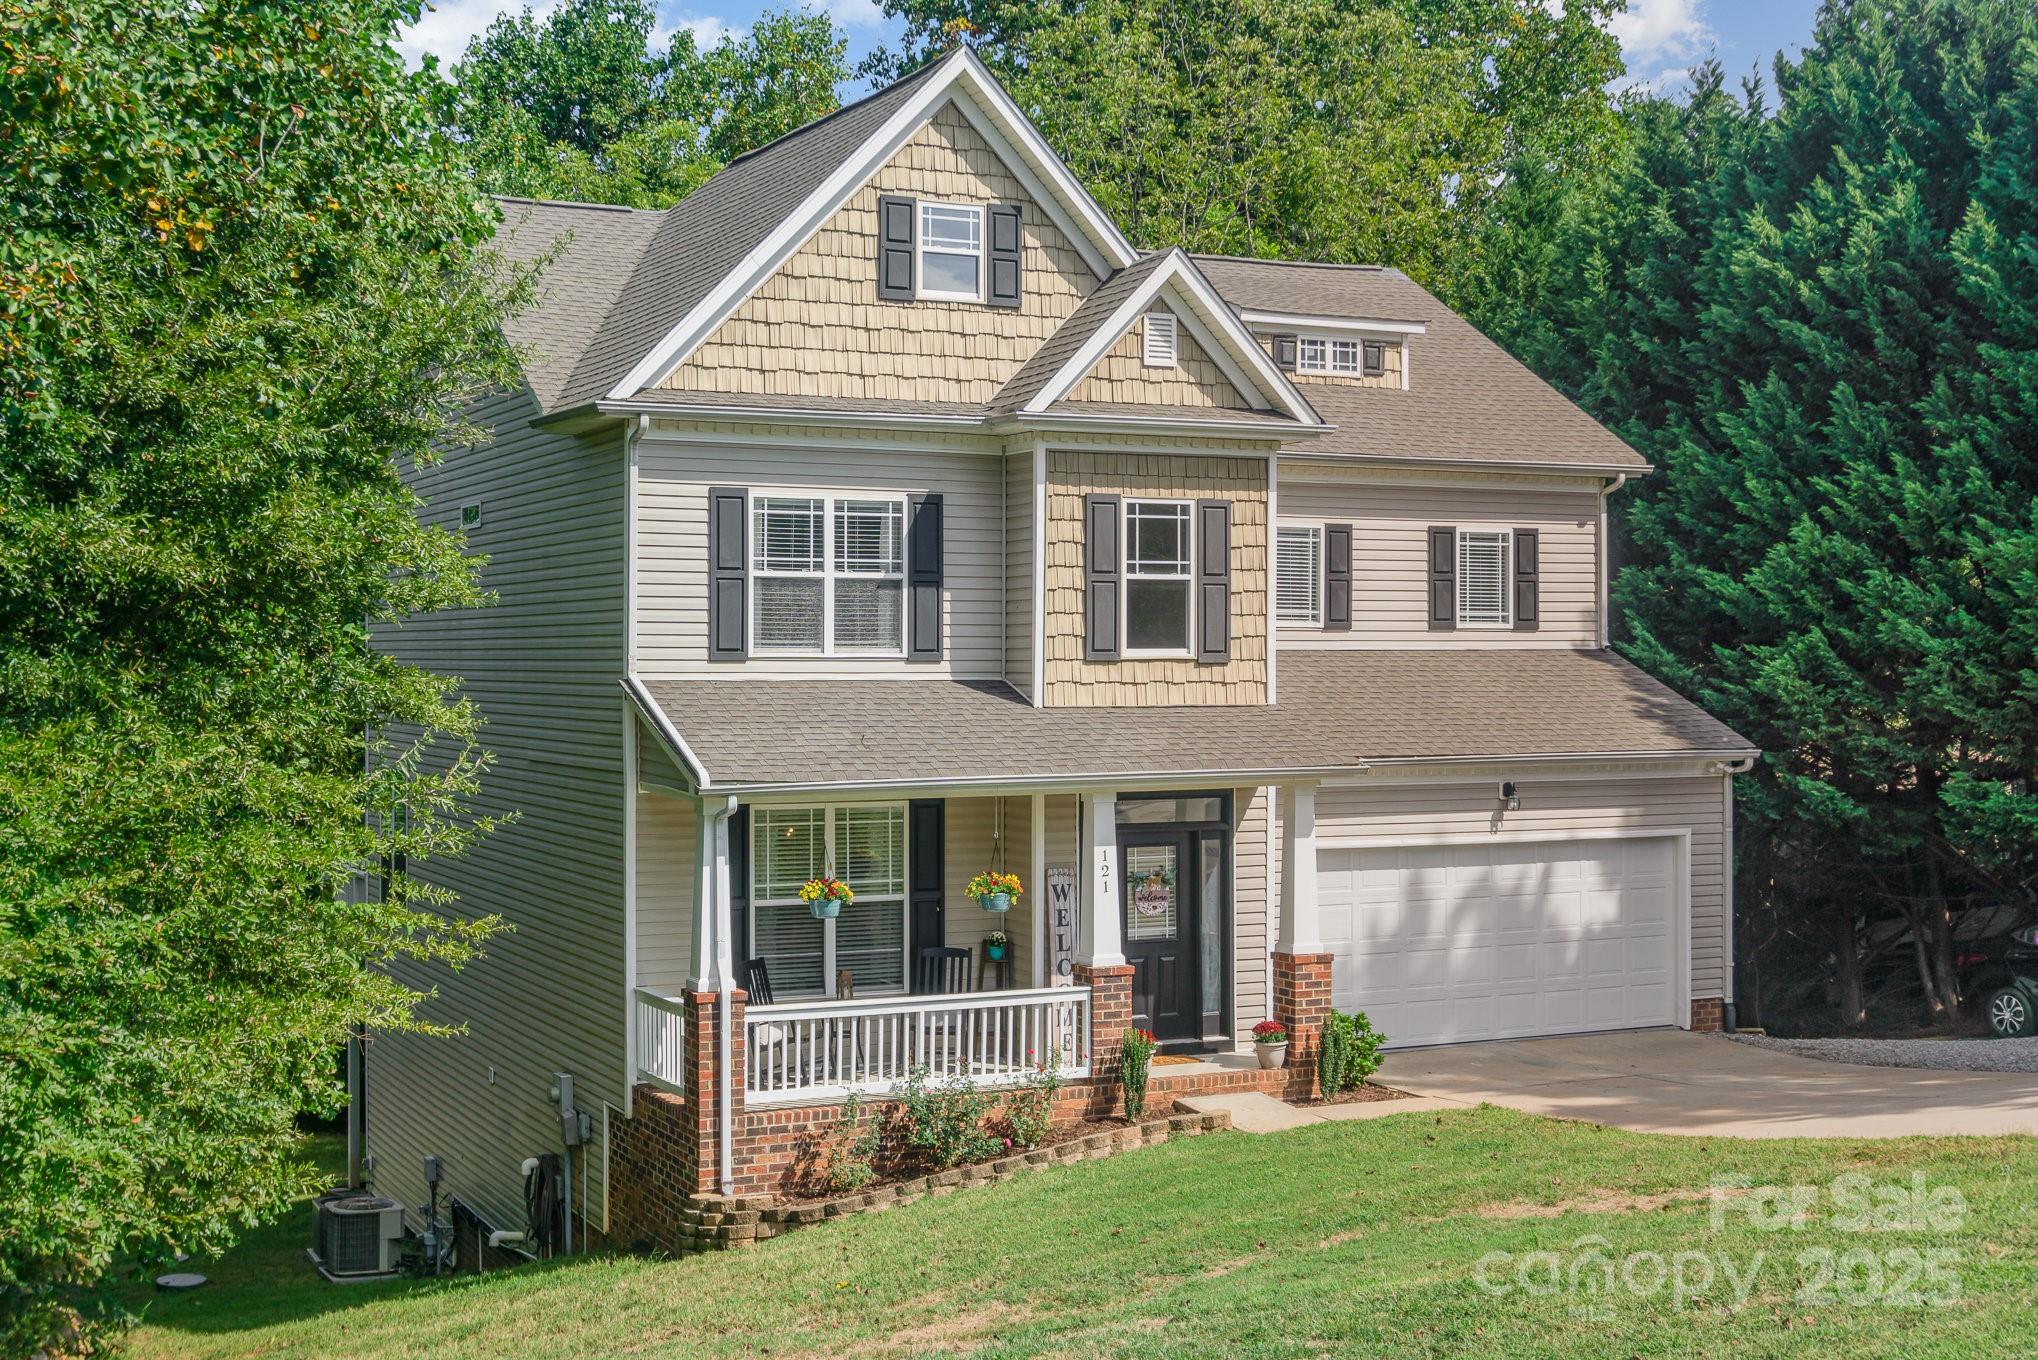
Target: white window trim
[(920, 290), (1327, 366), (1315, 528), (828, 966), (827, 575), (1506, 619), (1152, 328), (1125, 579)]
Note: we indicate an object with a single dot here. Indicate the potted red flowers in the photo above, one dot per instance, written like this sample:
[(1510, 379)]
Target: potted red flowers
[(1270, 1042)]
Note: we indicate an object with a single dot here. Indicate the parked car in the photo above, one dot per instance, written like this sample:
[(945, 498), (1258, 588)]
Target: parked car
[(2003, 969)]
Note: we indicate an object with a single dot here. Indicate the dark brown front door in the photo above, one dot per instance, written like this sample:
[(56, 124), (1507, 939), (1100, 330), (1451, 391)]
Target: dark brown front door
[(1158, 900)]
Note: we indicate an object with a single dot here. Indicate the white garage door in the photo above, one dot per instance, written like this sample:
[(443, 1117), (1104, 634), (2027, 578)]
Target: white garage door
[(1443, 943)]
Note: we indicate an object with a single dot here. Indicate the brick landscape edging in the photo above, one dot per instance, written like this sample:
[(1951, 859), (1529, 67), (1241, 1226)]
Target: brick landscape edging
[(721, 1223)]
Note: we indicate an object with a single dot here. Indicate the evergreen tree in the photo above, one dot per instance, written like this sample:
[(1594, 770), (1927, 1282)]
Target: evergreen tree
[(1819, 325)]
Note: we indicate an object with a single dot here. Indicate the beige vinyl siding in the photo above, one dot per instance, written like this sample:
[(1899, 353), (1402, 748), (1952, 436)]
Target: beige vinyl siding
[(1019, 568), (1557, 807), (1252, 917), (1122, 375), (665, 882), (673, 480), (541, 665), (971, 849), (817, 327), (1390, 552)]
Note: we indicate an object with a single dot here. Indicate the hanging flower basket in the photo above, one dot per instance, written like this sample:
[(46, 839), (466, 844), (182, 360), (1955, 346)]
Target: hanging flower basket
[(825, 896), (994, 891)]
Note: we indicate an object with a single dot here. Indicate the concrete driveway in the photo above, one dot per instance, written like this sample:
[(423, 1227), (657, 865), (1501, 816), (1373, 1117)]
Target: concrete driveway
[(1671, 1081)]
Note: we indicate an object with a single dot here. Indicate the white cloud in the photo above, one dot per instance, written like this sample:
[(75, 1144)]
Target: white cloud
[(1656, 31), (446, 26), (851, 13)]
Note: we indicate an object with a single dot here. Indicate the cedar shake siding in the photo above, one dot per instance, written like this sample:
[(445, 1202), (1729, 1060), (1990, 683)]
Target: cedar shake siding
[(1391, 517), (819, 328), (1122, 376), (541, 665), (1074, 475)]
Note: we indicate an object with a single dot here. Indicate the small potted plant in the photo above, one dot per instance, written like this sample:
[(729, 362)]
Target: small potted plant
[(996, 943), (825, 896), (1270, 1042), (994, 891)]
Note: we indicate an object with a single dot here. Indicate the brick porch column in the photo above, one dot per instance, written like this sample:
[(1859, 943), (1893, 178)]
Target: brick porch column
[(1301, 1000), (1110, 1014), (700, 1149)]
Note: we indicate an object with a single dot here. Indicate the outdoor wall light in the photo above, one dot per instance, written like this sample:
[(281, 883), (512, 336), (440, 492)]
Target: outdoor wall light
[(1510, 796)]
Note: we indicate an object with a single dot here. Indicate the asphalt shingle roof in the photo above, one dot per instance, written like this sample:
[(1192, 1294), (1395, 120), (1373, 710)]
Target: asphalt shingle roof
[(1468, 399), (597, 248), (1337, 709)]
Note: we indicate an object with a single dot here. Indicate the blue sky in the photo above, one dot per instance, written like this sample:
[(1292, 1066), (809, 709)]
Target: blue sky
[(1662, 39)]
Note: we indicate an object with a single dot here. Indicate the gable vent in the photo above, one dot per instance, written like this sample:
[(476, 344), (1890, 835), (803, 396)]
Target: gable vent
[(1158, 339)]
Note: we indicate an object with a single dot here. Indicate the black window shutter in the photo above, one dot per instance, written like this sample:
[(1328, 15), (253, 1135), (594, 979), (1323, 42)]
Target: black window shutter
[(923, 579), (927, 831), (1443, 578), (1527, 580), (1102, 562), (1284, 353), (1337, 576), (1213, 581), (728, 557), (895, 228), (739, 887), (1007, 244)]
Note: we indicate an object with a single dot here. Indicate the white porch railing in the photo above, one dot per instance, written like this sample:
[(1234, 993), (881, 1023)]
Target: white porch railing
[(804, 1052), (661, 1034)]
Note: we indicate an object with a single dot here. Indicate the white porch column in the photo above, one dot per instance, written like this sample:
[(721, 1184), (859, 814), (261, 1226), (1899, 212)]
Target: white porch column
[(1301, 929), (712, 954), (1100, 939)]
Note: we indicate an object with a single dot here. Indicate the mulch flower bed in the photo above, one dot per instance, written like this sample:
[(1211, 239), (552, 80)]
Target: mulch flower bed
[(1357, 1095), (1076, 1141)]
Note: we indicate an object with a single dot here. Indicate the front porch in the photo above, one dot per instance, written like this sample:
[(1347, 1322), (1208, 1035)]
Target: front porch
[(1141, 907)]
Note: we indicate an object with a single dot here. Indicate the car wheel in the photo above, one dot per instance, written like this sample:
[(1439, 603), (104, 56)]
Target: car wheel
[(2010, 1013)]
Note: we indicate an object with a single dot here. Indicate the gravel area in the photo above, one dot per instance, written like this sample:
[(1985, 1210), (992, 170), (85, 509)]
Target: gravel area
[(1945, 1055)]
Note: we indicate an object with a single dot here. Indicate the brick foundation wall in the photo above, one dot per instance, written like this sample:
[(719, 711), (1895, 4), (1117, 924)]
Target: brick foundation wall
[(1708, 1014)]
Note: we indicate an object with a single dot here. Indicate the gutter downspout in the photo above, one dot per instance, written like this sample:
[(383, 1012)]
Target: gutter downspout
[(725, 971), (1620, 479), (1729, 1018)]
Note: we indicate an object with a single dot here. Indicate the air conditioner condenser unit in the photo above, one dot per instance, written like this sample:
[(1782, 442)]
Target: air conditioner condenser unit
[(358, 1236)]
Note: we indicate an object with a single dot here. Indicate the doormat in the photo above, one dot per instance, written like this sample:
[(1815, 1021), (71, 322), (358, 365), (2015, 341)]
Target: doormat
[(1173, 1059)]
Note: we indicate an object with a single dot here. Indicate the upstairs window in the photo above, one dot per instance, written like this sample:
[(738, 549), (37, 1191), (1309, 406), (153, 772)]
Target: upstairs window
[(1157, 578), (829, 575), (1483, 574), (1320, 354), (951, 252), (1298, 574)]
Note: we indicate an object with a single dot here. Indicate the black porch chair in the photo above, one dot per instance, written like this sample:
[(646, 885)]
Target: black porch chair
[(943, 970), (757, 982)]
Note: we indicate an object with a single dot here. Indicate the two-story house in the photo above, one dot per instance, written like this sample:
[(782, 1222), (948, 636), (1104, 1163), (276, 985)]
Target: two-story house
[(880, 512)]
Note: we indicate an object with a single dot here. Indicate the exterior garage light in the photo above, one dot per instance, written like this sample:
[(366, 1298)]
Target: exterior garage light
[(1510, 796)]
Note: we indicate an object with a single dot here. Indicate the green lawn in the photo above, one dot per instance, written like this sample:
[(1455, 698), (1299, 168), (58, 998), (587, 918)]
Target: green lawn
[(1361, 1238)]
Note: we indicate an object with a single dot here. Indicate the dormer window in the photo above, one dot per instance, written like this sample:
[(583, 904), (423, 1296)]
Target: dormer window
[(1321, 354), (951, 252)]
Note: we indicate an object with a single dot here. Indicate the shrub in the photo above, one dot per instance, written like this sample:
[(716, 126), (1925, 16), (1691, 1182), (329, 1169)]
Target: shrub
[(945, 1123), (1350, 1052), (852, 1155), (1135, 1055), (1030, 1109)]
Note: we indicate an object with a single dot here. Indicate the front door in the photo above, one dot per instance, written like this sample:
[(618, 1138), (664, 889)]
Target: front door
[(1160, 906)]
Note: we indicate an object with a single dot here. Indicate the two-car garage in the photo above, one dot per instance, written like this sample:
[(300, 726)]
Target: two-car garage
[(1447, 942)]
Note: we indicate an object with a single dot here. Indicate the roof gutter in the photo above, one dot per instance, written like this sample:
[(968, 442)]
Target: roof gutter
[(675, 744), (1476, 464), (1280, 431), (1049, 783), (1744, 754)]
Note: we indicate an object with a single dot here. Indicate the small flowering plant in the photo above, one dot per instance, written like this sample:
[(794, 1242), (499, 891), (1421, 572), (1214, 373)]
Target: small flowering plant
[(1270, 1032), (998, 939), (991, 883), (826, 890)]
